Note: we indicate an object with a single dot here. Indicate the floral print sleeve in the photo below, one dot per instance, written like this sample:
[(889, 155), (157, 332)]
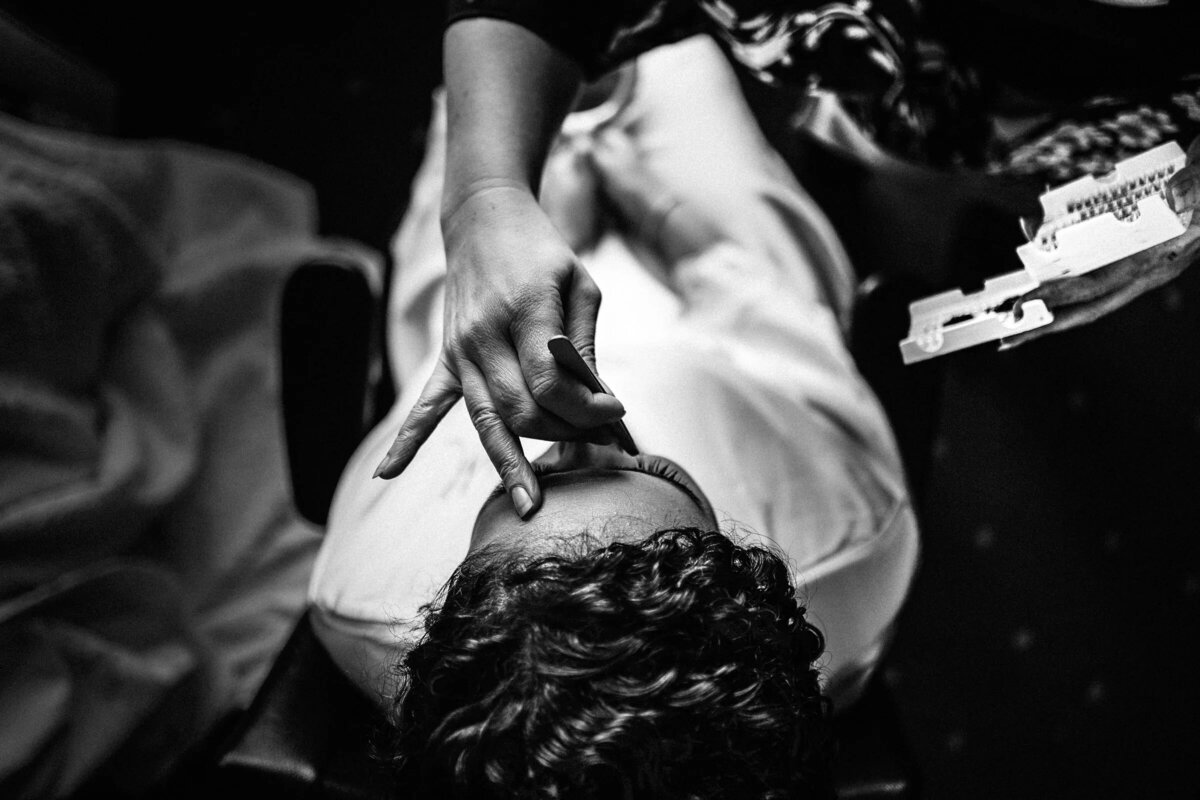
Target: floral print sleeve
[(903, 87), (860, 46), (1091, 137), (899, 87)]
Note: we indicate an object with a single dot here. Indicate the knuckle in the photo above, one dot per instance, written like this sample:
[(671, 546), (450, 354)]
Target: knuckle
[(588, 351), (457, 343), (410, 429), (533, 311), (471, 334), (544, 387), (424, 406), (486, 420), (406, 436), (508, 408), (506, 457), (526, 422), (509, 465)]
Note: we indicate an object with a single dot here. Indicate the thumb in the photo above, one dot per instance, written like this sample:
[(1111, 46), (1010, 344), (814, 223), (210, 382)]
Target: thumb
[(1183, 190)]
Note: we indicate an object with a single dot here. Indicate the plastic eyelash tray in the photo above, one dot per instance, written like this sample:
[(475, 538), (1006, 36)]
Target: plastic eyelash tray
[(1088, 223)]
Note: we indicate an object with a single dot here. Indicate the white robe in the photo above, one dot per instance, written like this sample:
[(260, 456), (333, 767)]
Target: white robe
[(731, 362)]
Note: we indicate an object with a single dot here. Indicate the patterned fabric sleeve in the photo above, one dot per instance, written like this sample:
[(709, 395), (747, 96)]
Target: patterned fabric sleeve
[(858, 46), (900, 90), (921, 91)]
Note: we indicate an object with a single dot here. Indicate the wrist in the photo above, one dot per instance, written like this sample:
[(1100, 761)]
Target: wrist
[(460, 201)]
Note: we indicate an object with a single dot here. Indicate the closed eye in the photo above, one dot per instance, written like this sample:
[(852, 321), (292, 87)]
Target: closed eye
[(668, 471), (646, 464)]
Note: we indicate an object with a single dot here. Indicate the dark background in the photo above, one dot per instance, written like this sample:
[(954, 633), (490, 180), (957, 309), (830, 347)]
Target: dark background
[(1049, 646)]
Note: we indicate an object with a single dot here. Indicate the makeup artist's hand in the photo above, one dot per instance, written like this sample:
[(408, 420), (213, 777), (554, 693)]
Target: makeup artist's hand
[(511, 284), (1086, 298)]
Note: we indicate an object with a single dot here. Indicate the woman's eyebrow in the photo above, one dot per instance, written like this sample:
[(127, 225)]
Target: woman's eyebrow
[(545, 470)]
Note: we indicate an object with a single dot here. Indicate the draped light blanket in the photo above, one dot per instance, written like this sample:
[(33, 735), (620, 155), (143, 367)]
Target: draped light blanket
[(151, 560)]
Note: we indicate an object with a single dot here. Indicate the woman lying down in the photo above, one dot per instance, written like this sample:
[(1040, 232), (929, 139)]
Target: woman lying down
[(670, 624)]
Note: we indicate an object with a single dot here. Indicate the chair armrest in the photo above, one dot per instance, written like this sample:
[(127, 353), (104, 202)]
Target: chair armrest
[(281, 742), (288, 742), (308, 733), (873, 761), (330, 357)]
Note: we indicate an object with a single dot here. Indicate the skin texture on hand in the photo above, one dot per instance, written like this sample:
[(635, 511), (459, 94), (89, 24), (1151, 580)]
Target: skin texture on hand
[(512, 283), (1086, 298)]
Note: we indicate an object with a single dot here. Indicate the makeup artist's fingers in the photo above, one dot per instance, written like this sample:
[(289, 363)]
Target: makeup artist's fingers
[(581, 312), (516, 405), (552, 388), (1092, 285), (1183, 189), (502, 446), (441, 392), (1086, 298), (1077, 315)]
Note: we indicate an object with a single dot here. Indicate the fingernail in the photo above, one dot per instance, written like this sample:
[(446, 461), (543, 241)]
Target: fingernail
[(382, 466), (1006, 346), (522, 501)]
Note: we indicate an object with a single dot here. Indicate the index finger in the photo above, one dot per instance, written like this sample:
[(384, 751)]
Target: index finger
[(1077, 315), (1089, 286), (441, 392)]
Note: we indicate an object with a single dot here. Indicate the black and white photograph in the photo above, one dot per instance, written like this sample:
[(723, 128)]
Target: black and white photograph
[(621, 400)]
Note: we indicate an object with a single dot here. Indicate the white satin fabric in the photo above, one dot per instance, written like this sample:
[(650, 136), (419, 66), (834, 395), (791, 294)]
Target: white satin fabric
[(731, 363)]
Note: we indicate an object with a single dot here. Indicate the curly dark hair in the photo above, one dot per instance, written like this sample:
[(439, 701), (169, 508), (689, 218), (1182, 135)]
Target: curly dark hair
[(680, 666)]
